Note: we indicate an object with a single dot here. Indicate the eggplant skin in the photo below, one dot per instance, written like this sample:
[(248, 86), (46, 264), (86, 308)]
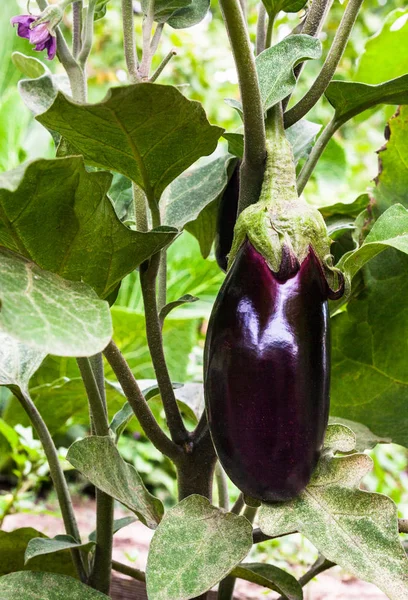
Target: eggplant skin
[(226, 219), (267, 375)]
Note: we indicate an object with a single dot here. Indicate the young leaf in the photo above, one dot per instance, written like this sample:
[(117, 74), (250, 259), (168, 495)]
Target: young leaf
[(270, 577), (275, 66), (353, 528), (98, 459), (187, 299), (41, 546), (118, 524), (349, 98), (289, 6), (32, 586), (190, 15), (18, 362), (100, 9), (164, 9), (48, 313), (69, 225), (365, 438), (151, 133), (195, 546), (28, 65)]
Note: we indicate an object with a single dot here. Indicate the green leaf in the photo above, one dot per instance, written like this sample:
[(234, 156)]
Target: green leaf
[(118, 524), (18, 362), (192, 396), (349, 98), (187, 299), (301, 135), (190, 15), (33, 586), (386, 53), (98, 459), (100, 9), (270, 577), (28, 65), (164, 9), (69, 226), (48, 313), (353, 528), (352, 209), (120, 192), (39, 546), (12, 548), (289, 6), (195, 546), (150, 133), (275, 66), (365, 438), (390, 230), (392, 181)]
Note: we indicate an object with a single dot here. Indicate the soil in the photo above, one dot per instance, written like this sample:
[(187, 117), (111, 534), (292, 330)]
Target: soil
[(131, 546)]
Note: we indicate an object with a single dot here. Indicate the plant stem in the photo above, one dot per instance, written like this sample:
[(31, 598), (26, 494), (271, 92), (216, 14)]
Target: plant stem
[(195, 471), (316, 17), (88, 34), (129, 41), (315, 154), (140, 207), (156, 38), (269, 31), (162, 282), (147, 53), (238, 505), (130, 571), (259, 536), (254, 129), (94, 381), (222, 487), (77, 28), (163, 65), (57, 475), (138, 403), (330, 65), (148, 277), (261, 29), (321, 564)]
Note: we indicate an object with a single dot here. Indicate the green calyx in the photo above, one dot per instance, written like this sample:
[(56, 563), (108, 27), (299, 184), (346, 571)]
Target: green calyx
[(280, 219)]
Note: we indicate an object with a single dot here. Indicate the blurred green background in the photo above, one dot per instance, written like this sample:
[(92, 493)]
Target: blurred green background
[(203, 70)]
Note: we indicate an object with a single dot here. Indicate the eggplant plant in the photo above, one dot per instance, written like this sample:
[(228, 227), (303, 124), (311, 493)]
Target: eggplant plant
[(304, 358)]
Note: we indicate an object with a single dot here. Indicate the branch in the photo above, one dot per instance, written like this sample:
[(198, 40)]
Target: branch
[(254, 128), (261, 29), (163, 65), (330, 65), (148, 277), (315, 154), (130, 571), (138, 403), (77, 27), (129, 40), (222, 487), (88, 34)]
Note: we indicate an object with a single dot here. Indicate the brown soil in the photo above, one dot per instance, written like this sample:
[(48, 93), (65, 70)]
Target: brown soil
[(131, 546)]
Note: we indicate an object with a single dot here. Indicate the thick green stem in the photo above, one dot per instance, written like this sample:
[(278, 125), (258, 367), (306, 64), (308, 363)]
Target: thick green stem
[(77, 8), (93, 376), (330, 65), (138, 403), (88, 34), (140, 207), (148, 278), (315, 154), (261, 29), (162, 281), (254, 128), (316, 17), (238, 505), (130, 571), (129, 41), (269, 31), (195, 471), (57, 475), (222, 487)]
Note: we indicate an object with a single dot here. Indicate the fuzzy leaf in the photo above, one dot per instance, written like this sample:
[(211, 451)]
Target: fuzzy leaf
[(365, 438), (118, 524), (189, 15), (98, 459), (195, 546), (150, 133), (18, 362), (57, 214), (33, 586), (289, 6), (48, 313), (28, 65), (43, 546), (270, 577)]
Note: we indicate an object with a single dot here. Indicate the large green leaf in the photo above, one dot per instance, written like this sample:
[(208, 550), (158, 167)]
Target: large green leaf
[(98, 459), (48, 313), (386, 53), (45, 586), (57, 214), (275, 66), (195, 546), (18, 362), (151, 133), (353, 528), (349, 98), (13, 545)]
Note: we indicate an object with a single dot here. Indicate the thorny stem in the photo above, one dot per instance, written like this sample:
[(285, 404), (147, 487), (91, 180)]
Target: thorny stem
[(129, 41), (330, 65), (261, 29), (93, 376), (57, 475), (139, 404), (163, 65), (77, 28), (88, 34), (222, 487), (148, 278), (315, 154), (254, 128), (130, 571)]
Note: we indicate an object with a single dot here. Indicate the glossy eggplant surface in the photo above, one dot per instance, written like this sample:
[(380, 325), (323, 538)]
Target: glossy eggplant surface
[(266, 375)]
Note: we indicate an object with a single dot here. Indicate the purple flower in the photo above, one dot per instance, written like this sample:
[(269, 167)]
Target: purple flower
[(40, 36)]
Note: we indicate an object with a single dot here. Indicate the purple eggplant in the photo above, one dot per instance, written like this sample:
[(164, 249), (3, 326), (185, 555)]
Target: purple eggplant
[(226, 219), (267, 371)]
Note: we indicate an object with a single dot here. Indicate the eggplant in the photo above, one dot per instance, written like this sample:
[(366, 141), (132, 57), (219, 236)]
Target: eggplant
[(226, 219), (267, 372)]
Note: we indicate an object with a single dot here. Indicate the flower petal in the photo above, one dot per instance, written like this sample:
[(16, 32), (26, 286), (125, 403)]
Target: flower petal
[(52, 47), (39, 34), (23, 23)]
